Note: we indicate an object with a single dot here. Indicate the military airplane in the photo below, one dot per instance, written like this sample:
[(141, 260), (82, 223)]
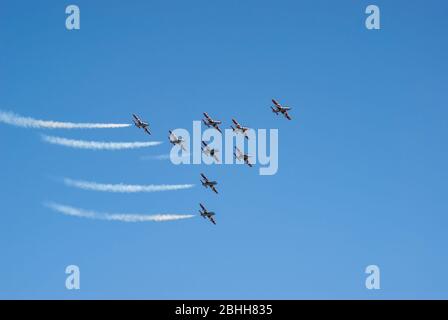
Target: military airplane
[(141, 124), (207, 183), (242, 156), (239, 129), (209, 151), (209, 122), (175, 140), (278, 108), (207, 214)]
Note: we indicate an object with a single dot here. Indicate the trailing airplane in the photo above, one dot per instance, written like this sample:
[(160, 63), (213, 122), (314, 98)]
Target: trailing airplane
[(278, 108), (174, 140), (207, 183), (209, 122), (209, 151), (242, 156), (141, 124), (207, 214), (239, 129)]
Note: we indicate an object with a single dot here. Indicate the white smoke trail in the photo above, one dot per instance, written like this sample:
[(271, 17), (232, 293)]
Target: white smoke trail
[(157, 157), (124, 217), (26, 122), (98, 145), (124, 188)]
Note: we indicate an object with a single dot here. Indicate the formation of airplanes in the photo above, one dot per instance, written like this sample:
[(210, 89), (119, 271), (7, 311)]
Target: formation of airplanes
[(277, 108)]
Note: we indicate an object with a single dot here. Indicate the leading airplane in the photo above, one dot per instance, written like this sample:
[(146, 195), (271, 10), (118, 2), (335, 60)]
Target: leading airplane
[(141, 124), (209, 122), (242, 156), (210, 184), (278, 108), (207, 214)]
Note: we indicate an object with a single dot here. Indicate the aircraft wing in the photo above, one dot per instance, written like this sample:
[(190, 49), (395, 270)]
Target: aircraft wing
[(207, 116), (218, 128), (287, 116), (276, 103), (212, 220), (147, 131), (203, 176), (203, 208), (214, 189)]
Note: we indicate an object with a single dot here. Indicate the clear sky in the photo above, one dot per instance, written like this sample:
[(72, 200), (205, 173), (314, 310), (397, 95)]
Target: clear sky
[(362, 167)]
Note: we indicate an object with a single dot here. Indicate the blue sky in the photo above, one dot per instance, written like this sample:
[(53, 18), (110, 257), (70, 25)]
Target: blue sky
[(362, 168)]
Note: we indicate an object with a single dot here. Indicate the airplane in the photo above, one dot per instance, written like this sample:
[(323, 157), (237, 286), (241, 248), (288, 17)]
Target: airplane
[(174, 140), (239, 129), (209, 152), (242, 157), (207, 214), (209, 122), (278, 108), (207, 183), (141, 124)]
